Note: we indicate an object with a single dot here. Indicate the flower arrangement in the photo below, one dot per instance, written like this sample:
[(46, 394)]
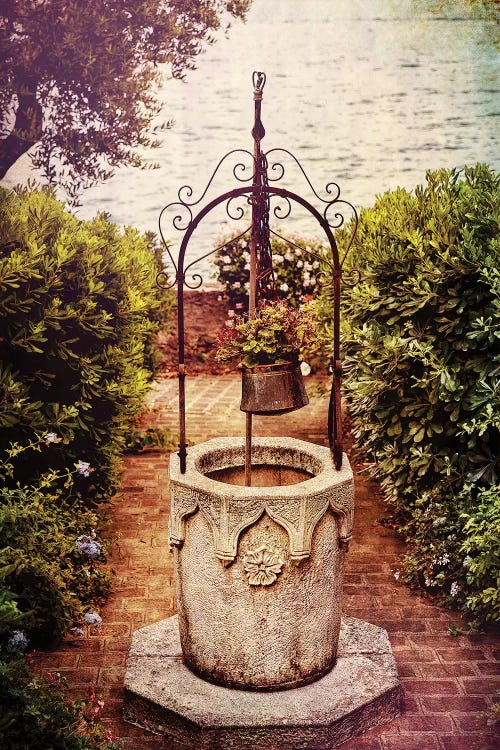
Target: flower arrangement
[(274, 335)]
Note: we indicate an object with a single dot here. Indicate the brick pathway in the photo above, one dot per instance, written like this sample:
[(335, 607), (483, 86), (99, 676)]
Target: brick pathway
[(448, 681)]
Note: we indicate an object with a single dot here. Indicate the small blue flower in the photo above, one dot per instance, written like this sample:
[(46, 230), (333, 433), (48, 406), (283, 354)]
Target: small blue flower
[(92, 618), (17, 641), (77, 631), (89, 547)]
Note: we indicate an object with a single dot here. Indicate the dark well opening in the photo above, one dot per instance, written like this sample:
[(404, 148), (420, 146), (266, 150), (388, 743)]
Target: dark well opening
[(263, 475)]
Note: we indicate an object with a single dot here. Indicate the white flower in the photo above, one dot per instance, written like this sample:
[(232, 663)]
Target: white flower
[(246, 267), (51, 437), (242, 243), (230, 314), (396, 575), (236, 285), (230, 323), (467, 561), (83, 468), (77, 631), (300, 263), (454, 588), (298, 253), (226, 259), (277, 258), (315, 264), (284, 287), (305, 369), (288, 255), (246, 286)]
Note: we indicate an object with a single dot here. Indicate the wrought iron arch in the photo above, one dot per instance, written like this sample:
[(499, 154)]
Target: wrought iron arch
[(258, 195)]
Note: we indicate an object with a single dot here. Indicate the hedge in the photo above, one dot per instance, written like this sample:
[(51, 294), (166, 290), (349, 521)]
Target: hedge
[(423, 362), (79, 312)]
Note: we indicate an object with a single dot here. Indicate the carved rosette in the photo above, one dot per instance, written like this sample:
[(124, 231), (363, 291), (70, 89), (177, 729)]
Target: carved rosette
[(262, 565)]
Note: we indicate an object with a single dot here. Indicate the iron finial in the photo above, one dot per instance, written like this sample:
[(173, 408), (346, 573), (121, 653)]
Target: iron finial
[(259, 81)]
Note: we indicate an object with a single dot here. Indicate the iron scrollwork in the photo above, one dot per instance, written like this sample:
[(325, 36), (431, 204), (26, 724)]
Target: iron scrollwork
[(258, 175)]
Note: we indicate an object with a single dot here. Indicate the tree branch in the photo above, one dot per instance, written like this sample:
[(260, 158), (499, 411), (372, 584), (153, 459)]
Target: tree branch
[(27, 129)]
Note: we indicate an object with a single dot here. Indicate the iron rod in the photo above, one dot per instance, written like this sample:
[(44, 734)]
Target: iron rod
[(248, 450), (257, 134), (181, 372)]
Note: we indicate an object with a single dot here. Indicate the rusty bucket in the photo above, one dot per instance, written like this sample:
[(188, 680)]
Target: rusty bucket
[(273, 389)]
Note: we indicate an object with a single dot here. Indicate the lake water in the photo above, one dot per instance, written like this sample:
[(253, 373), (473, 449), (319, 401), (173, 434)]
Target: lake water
[(368, 93)]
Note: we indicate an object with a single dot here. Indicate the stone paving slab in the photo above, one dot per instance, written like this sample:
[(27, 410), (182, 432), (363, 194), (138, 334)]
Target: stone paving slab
[(448, 681)]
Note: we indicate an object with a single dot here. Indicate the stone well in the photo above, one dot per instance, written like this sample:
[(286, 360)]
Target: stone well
[(259, 569)]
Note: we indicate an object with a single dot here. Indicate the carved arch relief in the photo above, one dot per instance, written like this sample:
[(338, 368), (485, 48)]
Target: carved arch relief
[(229, 517)]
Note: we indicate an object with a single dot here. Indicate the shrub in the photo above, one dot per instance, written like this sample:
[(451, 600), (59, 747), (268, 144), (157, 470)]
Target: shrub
[(79, 310), (295, 269), (36, 712), (423, 363), (53, 577)]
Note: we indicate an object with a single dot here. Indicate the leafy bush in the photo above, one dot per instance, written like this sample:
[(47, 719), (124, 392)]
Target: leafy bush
[(53, 577), (36, 712), (79, 310), (423, 366), (295, 269)]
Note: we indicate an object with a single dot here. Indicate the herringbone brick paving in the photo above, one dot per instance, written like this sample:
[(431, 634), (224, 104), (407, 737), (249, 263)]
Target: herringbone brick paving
[(448, 681)]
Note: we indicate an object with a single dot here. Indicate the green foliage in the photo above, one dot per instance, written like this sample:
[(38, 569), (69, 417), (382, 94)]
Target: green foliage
[(274, 335), (81, 85), (152, 437), (79, 311), (10, 615), (36, 712), (53, 581), (423, 363), (481, 545), (295, 269)]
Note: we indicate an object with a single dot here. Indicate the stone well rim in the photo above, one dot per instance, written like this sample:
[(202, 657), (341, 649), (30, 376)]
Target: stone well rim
[(220, 453)]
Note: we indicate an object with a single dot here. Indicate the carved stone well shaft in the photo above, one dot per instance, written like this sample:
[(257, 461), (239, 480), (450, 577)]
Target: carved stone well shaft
[(259, 569)]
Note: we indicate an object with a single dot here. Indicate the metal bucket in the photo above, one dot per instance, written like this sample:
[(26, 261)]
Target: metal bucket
[(273, 389)]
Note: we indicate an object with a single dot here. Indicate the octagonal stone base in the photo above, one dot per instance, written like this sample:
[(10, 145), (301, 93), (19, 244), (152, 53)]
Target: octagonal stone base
[(165, 697)]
